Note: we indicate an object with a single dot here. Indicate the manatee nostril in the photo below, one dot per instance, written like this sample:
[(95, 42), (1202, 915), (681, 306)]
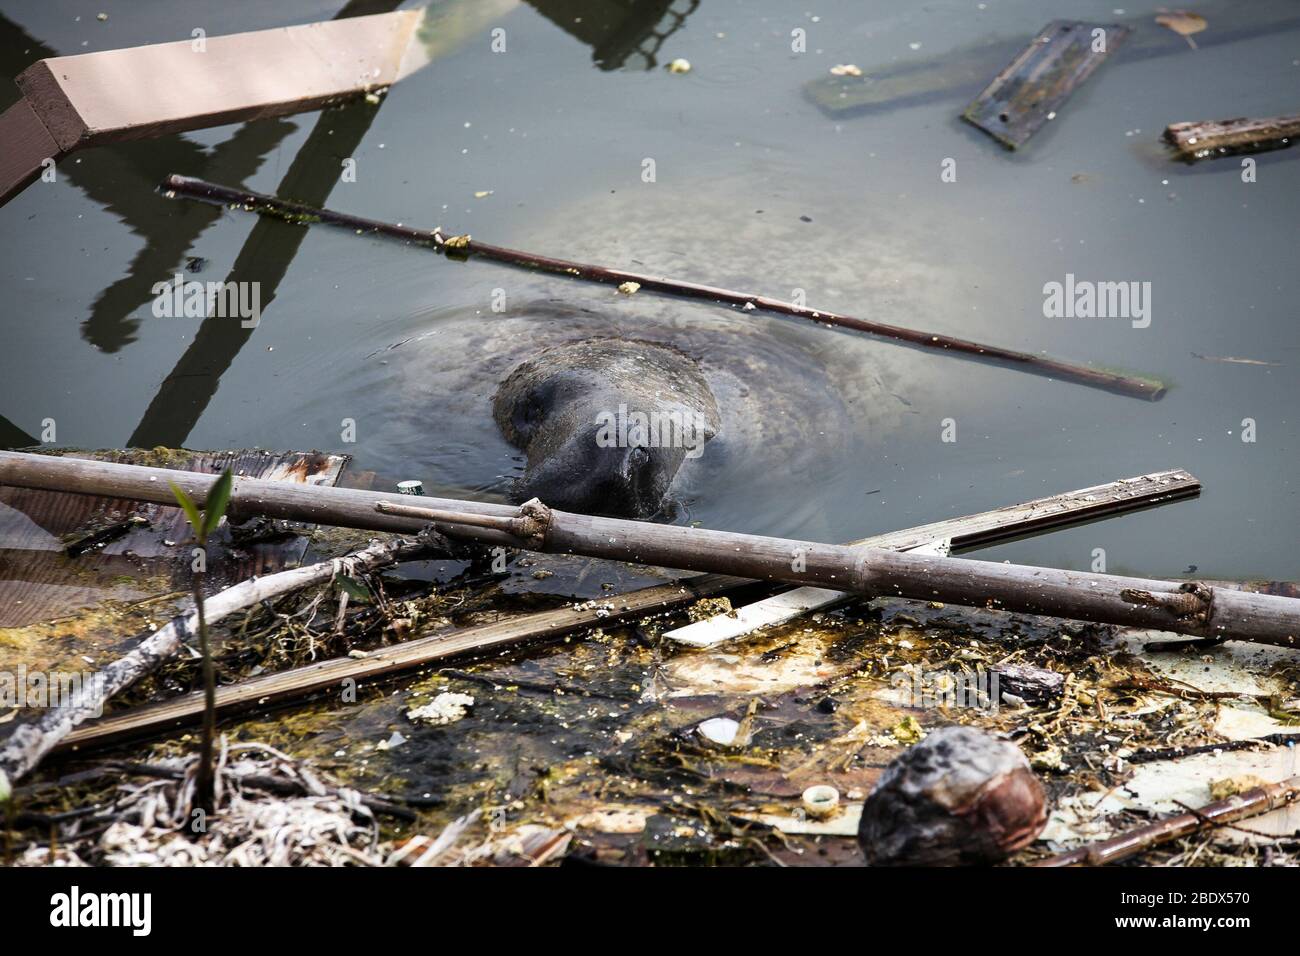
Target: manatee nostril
[(638, 459)]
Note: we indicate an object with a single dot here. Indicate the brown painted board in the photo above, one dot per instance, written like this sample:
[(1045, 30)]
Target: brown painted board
[(1030, 90), (142, 91), (25, 144), (39, 581)]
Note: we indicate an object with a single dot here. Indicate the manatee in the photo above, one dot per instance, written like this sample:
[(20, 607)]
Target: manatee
[(606, 423), (802, 411)]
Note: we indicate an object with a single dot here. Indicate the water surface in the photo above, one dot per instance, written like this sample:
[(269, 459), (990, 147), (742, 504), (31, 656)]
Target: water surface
[(556, 130)]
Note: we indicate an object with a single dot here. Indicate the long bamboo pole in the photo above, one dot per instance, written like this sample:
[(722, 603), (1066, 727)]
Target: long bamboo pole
[(299, 213), (1186, 608)]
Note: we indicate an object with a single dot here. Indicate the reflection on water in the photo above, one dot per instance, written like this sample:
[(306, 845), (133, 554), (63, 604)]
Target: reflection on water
[(755, 188)]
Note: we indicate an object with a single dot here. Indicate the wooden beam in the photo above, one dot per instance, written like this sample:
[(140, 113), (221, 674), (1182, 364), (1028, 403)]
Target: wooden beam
[(961, 534), (92, 99)]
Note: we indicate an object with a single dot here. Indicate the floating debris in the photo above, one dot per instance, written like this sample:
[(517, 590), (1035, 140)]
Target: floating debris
[(629, 288), (1234, 360), (720, 730), (446, 708), (846, 69), (821, 800), (679, 66), (960, 796), (1184, 24)]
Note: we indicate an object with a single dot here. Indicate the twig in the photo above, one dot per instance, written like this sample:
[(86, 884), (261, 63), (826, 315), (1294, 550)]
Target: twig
[(464, 246)]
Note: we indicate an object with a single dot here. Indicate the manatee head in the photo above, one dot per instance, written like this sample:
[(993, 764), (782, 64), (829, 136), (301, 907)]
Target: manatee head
[(605, 424)]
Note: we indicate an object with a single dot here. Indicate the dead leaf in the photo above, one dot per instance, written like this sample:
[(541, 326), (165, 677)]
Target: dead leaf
[(1184, 24)]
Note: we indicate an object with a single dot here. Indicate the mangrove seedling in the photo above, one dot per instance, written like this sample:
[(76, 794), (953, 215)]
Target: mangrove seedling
[(204, 523)]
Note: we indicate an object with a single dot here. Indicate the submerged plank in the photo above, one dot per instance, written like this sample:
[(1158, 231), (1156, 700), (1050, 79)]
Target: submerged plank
[(40, 580), (972, 531), (1029, 91)]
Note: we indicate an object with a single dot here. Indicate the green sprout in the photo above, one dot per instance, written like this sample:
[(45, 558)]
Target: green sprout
[(204, 523)]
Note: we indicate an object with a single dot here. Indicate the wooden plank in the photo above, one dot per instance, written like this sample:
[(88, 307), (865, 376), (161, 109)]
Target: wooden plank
[(39, 581), (328, 675), (1029, 91), (1212, 139), (778, 609), (972, 531), (143, 91), (27, 144)]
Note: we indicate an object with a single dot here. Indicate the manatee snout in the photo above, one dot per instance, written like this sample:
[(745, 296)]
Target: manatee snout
[(605, 425)]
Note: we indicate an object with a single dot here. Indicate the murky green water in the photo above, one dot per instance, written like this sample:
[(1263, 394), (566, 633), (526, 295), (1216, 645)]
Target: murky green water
[(852, 210)]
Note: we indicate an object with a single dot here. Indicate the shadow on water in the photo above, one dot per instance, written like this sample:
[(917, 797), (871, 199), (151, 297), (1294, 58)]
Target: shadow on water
[(621, 33)]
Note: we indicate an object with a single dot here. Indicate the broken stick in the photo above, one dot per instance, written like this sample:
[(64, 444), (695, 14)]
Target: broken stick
[(297, 213), (1207, 140), (23, 749), (1251, 803)]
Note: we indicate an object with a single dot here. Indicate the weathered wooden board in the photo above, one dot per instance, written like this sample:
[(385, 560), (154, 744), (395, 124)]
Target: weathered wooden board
[(40, 581), (972, 531), (92, 99), (1033, 86), (1212, 139)]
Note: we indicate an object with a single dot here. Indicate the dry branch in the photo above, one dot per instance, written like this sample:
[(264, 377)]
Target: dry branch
[(299, 213)]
